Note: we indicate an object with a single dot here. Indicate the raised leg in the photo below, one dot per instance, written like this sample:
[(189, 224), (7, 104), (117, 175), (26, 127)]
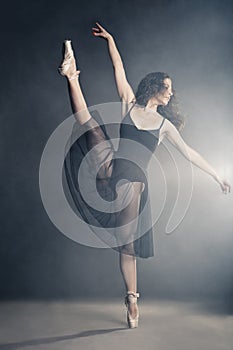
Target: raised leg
[(69, 70)]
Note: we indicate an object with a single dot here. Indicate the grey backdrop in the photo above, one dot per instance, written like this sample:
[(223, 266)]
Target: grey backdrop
[(192, 41)]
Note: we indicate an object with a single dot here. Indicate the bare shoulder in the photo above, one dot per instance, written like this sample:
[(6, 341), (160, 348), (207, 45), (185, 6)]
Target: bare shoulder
[(168, 130), (168, 127), (163, 128)]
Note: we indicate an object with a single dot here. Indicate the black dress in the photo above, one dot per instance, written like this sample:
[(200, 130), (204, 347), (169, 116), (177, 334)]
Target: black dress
[(100, 178)]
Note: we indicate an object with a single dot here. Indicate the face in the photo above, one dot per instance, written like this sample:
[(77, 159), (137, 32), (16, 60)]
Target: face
[(163, 97)]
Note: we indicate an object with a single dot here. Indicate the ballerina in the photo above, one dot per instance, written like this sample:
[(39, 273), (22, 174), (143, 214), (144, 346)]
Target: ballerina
[(149, 116)]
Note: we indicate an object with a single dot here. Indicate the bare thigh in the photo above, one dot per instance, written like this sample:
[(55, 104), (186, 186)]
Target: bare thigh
[(101, 149), (127, 221)]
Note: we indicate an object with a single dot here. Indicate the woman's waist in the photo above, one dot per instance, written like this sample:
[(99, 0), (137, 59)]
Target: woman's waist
[(126, 169)]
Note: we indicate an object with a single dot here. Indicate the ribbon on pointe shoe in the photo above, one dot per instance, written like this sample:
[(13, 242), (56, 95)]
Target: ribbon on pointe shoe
[(131, 297), (74, 76)]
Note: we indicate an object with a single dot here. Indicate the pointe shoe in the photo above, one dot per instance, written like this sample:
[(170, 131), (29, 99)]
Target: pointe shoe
[(131, 298), (68, 66)]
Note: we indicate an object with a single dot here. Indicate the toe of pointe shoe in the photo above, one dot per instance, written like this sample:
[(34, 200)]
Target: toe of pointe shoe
[(131, 298), (132, 322), (67, 47)]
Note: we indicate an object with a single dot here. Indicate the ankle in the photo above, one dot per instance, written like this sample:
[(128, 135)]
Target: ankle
[(131, 298), (73, 76), (132, 294)]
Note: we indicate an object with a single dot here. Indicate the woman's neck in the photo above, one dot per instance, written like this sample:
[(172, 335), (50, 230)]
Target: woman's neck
[(151, 107)]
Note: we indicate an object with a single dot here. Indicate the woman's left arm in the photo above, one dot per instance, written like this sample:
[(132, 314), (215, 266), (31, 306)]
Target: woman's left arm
[(173, 135)]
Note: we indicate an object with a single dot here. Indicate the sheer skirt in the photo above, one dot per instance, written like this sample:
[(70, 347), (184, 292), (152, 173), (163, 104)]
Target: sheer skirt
[(98, 200)]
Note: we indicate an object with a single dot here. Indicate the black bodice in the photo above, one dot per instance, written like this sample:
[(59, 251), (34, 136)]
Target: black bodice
[(134, 151)]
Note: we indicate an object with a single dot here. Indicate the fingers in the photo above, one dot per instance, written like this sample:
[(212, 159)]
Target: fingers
[(225, 186), (226, 189), (96, 32), (99, 31), (99, 26)]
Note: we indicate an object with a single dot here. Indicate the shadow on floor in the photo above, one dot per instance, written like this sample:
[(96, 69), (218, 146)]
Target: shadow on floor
[(49, 340)]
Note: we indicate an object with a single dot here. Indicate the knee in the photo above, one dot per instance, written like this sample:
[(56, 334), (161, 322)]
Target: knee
[(139, 186)]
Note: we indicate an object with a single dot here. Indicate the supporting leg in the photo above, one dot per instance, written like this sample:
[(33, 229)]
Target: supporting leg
[(128, 262), (128, 268)]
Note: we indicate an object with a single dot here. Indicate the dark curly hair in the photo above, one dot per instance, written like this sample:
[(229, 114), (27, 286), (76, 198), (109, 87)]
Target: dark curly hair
[(152, 84)]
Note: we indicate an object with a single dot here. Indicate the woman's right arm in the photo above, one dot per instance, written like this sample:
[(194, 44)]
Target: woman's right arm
[(124, 89)]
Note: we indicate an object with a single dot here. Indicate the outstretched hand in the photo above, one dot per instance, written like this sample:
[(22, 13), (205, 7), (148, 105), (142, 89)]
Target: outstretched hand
[(225, 186), (100, 31)]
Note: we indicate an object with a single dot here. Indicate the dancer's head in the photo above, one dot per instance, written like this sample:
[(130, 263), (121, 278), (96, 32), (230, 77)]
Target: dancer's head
[(156, 89), (155, 86)]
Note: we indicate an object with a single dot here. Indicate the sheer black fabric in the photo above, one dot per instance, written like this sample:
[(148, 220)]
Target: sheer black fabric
[(117, 178)]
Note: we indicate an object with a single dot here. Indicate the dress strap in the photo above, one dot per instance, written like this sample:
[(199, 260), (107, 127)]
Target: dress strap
[(161, 123), (133, 104), (127, 115)]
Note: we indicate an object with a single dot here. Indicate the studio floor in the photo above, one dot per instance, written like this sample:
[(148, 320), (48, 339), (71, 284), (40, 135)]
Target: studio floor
[(97, 325)]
